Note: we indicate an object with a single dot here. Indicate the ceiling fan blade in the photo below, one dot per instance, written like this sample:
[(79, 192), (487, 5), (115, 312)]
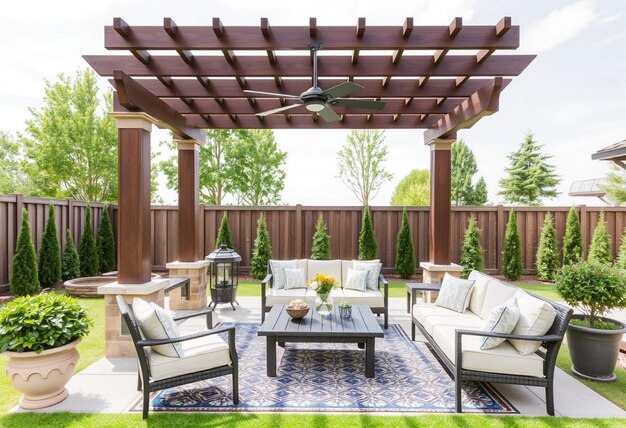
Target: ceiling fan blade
[(329, 115), (277, 110), (342, 89), (348, 102), (273, 94)]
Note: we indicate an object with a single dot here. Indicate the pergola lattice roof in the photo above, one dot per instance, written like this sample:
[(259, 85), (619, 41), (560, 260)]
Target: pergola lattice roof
[(439, 78)]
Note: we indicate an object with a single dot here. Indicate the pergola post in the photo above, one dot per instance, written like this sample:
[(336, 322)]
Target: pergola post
[(190, 262)]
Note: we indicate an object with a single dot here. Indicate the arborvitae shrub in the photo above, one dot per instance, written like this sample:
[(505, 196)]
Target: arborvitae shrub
[(471, 251), (367, 240), (621, 257), (405, 257), (548, 252), (320, 249), (261, 251), (89, 264), (50, 253), (24, 279), (572, 241), (223, 235), (600, 248), (512, 253), (105, 243), (70, 268)]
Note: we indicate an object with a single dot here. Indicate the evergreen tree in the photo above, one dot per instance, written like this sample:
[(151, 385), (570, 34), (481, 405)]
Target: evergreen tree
[(572, 241), (463, 168), (261, 251), (320, 250), (600, 248), (367, 240), (405, 257), (512, 253), (621, 257), (223, 235), (471, 251), (548, 252), (481, 196), (89, 264), (24, 279), (70, 268), (105, 242), (50, 253), (530, 178)]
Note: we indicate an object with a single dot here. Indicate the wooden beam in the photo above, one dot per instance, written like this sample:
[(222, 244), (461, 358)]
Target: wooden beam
[(482, 103), (241, 81), (229, 56), (185, 55), (218, 28), (439, 55), (483, 54), (204, 81), (166, 80), (386, 81), (396, 55), (455, 27), (355, 57), (313, 27), (407, 28), (121, 27), (143, 56), (503, 26), (271, 56), (265, 28), (278, 81), (360, 28), (423, 80), (189, 102), (131, 95), (170, 27), (461, 80)]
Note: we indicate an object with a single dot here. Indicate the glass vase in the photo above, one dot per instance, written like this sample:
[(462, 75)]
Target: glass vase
[(324, 304)]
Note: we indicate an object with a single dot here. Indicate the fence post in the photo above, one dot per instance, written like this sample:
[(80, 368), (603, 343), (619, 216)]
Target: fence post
[(500, 227), (298, 234)]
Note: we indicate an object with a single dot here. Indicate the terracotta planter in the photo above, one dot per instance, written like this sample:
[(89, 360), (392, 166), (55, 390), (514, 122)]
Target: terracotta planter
[(42, 377)]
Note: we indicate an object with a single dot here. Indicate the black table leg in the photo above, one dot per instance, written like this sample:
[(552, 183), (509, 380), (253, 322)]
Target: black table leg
[(271, 357), (361, 345), (408, 302), (369, 357)]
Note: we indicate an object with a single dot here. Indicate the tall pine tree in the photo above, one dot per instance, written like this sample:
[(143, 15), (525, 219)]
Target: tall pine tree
[(89, 264), (50, 253), (548, 252), (105, 242), (223, 235), (600, 248), (320, 249), (24, 279), (471, 251), (530, 177), (572, 241), (367, 240), (70, 267), (261, 251), (405, 257), (512, 253), (463, 169)]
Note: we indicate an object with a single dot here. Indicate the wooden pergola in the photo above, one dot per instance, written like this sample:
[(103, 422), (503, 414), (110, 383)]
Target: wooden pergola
[(188, 78)]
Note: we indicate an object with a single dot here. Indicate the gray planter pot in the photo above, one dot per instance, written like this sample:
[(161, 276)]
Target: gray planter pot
[(594, 352)]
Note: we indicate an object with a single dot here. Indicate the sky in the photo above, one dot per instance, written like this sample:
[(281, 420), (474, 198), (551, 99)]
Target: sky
[(571, 97)]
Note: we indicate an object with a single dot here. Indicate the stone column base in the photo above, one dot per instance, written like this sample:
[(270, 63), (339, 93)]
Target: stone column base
[(197, 274), (433, 274), (117, 341)]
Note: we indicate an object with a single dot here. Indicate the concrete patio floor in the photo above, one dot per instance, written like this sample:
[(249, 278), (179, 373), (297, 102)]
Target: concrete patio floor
[(110, 384)]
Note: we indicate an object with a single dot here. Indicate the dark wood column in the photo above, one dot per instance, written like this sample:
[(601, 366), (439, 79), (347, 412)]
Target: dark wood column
[(188, 201), (439, 232), (133, 236)]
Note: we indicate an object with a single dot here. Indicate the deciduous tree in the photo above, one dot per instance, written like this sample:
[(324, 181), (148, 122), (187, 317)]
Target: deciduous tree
[(413, 189), (614, 185), (12, 178)]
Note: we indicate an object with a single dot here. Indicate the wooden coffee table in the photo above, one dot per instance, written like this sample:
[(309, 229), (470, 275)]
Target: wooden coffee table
[(362, 328)]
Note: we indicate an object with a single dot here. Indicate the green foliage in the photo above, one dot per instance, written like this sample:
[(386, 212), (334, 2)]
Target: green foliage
[(223, 234), (71, 147), (614, 184), (360, 163), (463, 169), (105, 243), (621, 256), (12, 178), (367, 240), (320, 249), (405, 257), (530, 178), (512, 253), (88, 253), (593, 287), (413, 189), (471, 251), (572, 241), (548, 252), (24, 278), (600, 247), (50, 253), (44, 321), (70, 268), (261, 251)]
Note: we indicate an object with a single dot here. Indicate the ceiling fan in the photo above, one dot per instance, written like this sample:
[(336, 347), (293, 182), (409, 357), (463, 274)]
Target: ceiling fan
[(321, 101)]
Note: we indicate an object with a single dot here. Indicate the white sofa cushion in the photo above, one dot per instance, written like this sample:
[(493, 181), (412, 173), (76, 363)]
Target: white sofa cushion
[(278, 272), (502, 319), (283, 297), (200, 354), (357, 279), (497, 294), (501, 359), (371, 298), (481, 284), (294, 278), (455, 293), (345, 265), (156, 323), (429, 316), (327, 267), (536, 318), (374, 268)]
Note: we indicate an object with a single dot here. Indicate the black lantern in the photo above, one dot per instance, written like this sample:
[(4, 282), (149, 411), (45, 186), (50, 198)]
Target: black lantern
[(223, 274)]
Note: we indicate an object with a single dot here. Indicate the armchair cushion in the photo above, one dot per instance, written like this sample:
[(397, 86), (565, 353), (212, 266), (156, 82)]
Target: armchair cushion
[(327, 267), (455, 293), (374, 268), (356, 280), (294, 278), (156, 323), (536, 318), (497, 293)]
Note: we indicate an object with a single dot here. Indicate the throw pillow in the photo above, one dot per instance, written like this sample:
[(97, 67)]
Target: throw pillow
[(536, 318), (455, 293), (294, 278), (156, 323), (502, 319), (357, 280), (374, 268), (278, 272)]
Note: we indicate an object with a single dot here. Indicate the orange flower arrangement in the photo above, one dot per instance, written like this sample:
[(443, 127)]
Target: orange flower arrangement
[(323, 284)]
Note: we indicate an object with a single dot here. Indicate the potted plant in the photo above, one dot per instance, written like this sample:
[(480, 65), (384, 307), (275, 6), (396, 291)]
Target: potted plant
[(39, 335), (593, 340)]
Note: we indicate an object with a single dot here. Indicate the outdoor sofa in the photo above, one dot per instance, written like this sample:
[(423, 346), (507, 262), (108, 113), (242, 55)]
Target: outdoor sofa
[(276, 291), (526, 357)]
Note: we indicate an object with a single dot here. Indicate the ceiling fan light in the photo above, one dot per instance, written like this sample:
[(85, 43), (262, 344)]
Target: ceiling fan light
[(315, 106)]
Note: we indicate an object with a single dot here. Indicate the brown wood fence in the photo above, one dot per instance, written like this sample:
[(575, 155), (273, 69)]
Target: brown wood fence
[(291, 229)]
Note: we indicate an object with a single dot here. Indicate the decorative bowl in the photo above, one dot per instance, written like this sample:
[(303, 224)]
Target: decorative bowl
[(297, 314)]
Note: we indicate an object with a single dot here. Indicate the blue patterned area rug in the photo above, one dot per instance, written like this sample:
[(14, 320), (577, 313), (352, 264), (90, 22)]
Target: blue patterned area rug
[(314, 377)]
